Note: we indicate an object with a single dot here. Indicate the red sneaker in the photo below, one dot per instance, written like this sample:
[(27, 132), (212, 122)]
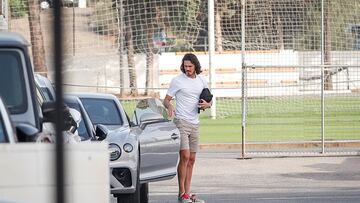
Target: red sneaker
[(184, 198)]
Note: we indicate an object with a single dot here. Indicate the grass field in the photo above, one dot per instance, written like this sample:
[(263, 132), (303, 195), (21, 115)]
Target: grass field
[(281, 119)]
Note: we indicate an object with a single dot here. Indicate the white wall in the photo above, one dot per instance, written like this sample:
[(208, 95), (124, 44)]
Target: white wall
[(27, 173), (101, 71)]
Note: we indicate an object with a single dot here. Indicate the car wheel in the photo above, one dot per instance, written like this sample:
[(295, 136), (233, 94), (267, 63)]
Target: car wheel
[(134, 197), (144, 193)]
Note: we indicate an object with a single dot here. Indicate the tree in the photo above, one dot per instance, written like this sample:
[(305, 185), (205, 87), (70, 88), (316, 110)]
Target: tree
[(120, 22), (149, 21), (36, 36), (328, 85), (129, 13)]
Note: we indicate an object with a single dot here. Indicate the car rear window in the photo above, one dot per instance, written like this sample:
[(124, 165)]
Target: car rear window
[(12, 80)]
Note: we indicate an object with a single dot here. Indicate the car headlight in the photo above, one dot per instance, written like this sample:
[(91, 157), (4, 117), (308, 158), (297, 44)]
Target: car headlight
[(128, 147), (114, 151)]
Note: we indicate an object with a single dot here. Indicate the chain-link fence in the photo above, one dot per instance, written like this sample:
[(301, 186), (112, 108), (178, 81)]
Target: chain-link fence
[(301, 59)]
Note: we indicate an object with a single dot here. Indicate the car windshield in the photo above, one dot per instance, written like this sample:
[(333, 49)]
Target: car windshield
[(12, 81), (83, 131), (102, 111)]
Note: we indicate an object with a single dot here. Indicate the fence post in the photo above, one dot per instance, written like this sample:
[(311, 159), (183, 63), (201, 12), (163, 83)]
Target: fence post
[(211, 21), (243, 80), (322, 79)]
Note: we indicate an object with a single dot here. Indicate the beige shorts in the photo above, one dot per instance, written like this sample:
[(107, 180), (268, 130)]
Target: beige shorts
[(189, 135)]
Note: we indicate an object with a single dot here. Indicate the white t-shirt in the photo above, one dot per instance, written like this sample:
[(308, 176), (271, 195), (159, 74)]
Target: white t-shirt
[(187, 91)]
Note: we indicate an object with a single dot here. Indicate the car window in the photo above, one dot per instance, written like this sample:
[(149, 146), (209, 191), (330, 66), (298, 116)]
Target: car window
[(3, 135), (150, 105), (39, 95), (102, 111), (83, 131), (12, 81)]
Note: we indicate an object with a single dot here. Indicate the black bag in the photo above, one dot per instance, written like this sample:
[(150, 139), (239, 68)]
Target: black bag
[(205, 95)]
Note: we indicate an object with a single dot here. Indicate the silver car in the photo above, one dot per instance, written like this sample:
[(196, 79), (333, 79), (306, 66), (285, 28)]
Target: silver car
[(144, 149)]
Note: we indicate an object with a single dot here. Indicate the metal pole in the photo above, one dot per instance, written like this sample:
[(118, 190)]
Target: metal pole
[(322, 80), (243, 81), (73, 29), (59, 157), (211, 35)]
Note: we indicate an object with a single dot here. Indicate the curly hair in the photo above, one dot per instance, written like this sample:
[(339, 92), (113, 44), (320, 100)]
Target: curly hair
[(194, 60)]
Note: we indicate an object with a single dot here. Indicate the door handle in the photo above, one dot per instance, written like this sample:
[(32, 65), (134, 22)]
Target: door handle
[(174, 136)]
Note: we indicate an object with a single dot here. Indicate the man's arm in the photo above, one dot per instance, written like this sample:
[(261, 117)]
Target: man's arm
[(169, 106)]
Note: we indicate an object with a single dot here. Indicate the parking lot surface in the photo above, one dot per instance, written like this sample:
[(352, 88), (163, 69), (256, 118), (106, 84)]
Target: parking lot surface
[(222, 177)]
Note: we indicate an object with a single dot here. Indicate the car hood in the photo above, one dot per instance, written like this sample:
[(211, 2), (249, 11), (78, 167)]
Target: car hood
[(115, 127)]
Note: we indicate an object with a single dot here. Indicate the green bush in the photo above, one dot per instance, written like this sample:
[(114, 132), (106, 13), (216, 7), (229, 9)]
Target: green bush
[(17, 8)]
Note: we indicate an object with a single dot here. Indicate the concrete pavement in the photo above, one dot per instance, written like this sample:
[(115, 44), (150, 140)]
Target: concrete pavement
[(220, 176)]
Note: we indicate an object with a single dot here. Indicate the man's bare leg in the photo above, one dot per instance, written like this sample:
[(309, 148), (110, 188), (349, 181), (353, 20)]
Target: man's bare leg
[(189, 171), (182, 169)]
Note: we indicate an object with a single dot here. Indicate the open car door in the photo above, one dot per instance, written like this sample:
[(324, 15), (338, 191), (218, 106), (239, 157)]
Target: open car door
[(159, 141)]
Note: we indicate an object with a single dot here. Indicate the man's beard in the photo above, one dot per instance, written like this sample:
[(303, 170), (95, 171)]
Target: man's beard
[(189, 73)]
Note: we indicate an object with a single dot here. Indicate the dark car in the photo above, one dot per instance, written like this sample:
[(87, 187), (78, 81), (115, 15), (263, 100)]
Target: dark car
[(17, 89)]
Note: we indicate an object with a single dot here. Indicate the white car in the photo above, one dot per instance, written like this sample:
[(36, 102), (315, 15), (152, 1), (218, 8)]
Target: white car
[(143, 150)]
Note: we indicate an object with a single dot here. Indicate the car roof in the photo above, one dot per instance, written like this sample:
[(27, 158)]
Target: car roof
[(41, 80), (71, 98), (93, 95), (13, 39)]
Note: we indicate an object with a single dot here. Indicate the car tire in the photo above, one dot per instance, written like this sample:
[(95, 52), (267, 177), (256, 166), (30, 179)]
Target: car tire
[(134, 197), (144, 193)]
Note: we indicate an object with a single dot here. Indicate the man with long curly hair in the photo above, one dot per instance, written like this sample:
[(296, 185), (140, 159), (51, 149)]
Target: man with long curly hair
[(186, 88)]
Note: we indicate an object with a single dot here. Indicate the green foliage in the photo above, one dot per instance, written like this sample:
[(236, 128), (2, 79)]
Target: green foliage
[(180, 45), (100, 22), (17, 8), (341, 14)]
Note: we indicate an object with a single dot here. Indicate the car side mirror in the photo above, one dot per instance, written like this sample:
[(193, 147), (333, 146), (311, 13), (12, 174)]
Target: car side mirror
[(101, 132), (48, 109), (26, 132)]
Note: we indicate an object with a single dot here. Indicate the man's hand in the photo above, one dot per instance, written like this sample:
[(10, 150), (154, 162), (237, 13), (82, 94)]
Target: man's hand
[(170, 108), (204, 105)]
